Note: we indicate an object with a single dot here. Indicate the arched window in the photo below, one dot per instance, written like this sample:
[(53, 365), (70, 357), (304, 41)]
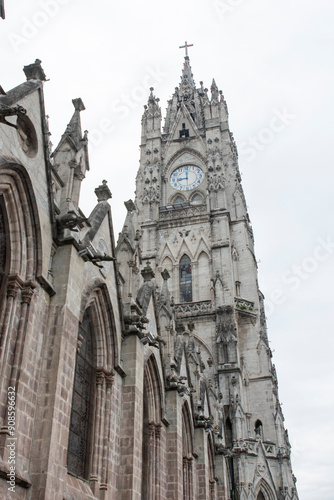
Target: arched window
[(197, 199), (258, 429), (178, 200), (186, 294), (260, 496), (82, 403), (151, 447), (228, 433)]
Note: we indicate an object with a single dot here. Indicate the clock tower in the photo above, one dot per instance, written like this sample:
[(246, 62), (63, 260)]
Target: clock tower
[(189, 227)]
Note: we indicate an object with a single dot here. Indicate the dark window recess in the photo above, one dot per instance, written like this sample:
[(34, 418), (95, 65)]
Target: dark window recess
[(186, 294), (228, 433), (184, 132), (78, 443)]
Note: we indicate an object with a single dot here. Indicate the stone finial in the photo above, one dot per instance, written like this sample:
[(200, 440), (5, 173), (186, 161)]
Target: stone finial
[(147, 273), (165, 275), (35, 71), (180, 328), (130, 206), (191, 326), (78, 104), (102, 192)]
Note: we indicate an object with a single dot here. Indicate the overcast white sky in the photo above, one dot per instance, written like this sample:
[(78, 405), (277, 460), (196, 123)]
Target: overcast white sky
[(274, 62)]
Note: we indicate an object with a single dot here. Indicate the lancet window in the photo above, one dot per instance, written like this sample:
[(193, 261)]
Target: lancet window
[(185, 280), (151, 449), (81, 415)]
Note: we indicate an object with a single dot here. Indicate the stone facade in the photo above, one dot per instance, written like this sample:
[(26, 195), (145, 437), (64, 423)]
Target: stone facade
[(141, 371)]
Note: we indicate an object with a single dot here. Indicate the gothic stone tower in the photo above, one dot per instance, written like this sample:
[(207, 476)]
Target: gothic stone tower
[(190, 228)]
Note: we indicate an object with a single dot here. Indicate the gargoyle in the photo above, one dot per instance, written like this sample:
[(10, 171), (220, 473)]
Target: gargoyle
[(11, 111), (135, 322), (70, 221), (99, 258)]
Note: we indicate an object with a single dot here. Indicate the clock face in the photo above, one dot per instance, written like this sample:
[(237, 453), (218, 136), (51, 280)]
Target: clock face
[(186, 178)]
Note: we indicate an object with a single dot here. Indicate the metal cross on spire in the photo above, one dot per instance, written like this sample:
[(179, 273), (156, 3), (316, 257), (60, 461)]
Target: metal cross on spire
[(185, 46)]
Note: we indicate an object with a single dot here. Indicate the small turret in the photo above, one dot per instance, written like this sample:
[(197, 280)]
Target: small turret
[(151, 120), (71, 158)]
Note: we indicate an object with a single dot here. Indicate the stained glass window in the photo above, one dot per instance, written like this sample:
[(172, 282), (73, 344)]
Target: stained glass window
[(186, 294), (78, 444)]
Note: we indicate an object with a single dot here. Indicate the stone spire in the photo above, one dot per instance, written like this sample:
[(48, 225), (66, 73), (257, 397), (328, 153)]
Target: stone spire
[(214, 91), (187, 78), (151, 120), (72, 164), (73, 129)]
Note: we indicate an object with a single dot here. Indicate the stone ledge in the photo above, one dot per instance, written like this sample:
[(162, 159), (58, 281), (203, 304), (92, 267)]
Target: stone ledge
[(21, 478)]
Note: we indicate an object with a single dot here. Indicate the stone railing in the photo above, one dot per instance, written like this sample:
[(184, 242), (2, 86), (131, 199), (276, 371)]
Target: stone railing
[(178, 211), (244, 305), (203, 306)]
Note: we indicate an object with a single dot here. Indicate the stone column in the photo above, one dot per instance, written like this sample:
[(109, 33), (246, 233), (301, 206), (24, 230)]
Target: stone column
[(106, 433), (174, 446), (157, 460), (132, 420)]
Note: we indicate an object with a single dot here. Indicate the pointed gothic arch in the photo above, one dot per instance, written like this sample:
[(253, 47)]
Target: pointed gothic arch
[(167, 263), (178, 199), (197, 198), (185, 279), (20, 205), (21, 270), (97, 296), (151, 447), (263, 491), (198, 159), (91, 415)]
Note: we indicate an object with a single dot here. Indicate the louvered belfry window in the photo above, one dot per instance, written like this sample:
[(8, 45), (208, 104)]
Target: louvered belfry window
[(78, 444)]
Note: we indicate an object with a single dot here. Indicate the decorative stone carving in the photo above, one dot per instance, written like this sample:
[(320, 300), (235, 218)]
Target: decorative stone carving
[(11, 111), (244, 305), (70, 221), (193, 307)]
